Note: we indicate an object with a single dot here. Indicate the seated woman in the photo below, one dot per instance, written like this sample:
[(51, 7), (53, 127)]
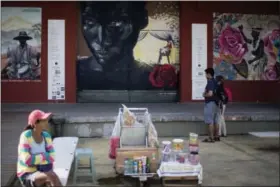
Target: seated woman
[(36, 153)]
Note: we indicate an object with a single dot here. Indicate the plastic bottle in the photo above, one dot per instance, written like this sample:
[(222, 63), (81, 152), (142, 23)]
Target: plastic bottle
[(135, 166), (140, 166), (126, 166)]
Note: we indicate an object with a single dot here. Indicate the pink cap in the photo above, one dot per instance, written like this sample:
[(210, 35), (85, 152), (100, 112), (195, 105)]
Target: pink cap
[(37, 115)]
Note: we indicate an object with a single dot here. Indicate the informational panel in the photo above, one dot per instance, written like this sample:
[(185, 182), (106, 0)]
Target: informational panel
[(56, 59), (198, 87), (199, 50), (199, 60)]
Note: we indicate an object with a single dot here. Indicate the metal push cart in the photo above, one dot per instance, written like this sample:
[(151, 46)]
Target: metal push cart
[(137, 136)]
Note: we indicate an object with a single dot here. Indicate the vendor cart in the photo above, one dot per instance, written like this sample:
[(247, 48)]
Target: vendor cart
[(135, 141)]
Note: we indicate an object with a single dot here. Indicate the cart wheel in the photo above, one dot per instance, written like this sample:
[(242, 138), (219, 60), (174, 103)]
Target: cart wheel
[(143, 184), (146, 184), (161, 182)]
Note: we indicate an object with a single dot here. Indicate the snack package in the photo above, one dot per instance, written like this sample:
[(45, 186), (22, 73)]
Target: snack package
[(152, 133), (129, 118)]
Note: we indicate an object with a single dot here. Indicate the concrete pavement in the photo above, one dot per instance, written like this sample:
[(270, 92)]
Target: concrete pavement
[(235, 161)]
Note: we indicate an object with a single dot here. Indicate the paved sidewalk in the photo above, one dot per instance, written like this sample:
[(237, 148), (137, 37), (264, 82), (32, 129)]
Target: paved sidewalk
[(235, 161)]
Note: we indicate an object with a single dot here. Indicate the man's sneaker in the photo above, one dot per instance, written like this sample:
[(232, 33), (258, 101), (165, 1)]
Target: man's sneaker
[(217, 139)]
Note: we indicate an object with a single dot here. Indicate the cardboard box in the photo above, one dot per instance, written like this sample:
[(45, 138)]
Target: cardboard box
[(130, 152)]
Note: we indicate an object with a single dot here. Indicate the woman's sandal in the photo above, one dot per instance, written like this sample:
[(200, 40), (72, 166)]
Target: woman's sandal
[(208, 140)]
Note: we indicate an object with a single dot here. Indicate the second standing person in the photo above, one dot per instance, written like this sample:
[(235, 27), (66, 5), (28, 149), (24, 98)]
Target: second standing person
[(222, 100)]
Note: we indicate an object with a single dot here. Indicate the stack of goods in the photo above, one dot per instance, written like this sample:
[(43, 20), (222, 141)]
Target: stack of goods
[(178, 160), (138, 165), (193, 149), (166, 153), (178, 150)]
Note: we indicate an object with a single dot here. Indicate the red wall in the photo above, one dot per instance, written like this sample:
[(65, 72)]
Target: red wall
[(36, 92), (202, 12), (191, 12)]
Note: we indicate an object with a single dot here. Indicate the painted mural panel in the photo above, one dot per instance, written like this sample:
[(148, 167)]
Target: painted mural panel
[(21, 44), (133, 46), (246, 46)]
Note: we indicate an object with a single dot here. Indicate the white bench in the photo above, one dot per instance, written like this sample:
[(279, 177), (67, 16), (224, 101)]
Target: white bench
[(269, 134), (64, 156)]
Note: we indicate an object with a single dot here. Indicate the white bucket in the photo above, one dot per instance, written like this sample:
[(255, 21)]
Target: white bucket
[(178, 144), (193, 139)]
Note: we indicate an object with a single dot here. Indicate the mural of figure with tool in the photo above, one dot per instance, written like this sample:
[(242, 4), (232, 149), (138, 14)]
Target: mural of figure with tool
[(165, 51), (23, 61), (257, 63)]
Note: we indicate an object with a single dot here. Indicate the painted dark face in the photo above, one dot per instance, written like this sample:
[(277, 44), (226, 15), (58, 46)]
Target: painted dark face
[(110, 33)]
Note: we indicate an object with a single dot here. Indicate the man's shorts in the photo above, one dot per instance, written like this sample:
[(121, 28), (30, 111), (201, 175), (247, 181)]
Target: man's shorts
[(210, 113)]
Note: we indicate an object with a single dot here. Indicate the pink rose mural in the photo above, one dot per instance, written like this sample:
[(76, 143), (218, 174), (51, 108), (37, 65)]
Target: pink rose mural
[(272, 42), (232, 44), (271, 73), (247, 46)]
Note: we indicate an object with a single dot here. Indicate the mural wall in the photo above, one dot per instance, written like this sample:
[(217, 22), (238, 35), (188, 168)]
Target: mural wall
[(246, 47), (20, 43), (132, 46)]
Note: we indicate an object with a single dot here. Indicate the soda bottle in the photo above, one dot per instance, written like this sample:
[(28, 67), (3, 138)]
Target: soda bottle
[(126, 166)]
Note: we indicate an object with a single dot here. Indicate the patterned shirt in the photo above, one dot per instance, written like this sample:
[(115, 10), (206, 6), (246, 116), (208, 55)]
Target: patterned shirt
[(27, 162)]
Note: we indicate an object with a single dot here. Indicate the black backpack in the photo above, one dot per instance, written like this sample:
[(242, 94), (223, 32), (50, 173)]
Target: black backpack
[(221, 94)]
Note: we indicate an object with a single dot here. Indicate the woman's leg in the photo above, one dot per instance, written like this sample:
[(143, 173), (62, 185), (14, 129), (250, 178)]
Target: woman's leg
[(55, 178), (220, 121), (217, 116), (40, 178), (224, 122), (35, 179)]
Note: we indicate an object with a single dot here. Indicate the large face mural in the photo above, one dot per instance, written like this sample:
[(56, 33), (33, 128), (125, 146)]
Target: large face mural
[(131, 46), (246, 46)]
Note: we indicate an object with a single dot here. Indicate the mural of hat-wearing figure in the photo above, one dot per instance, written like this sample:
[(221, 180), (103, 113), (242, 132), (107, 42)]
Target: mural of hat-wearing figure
[(111, 31), (23, 60)]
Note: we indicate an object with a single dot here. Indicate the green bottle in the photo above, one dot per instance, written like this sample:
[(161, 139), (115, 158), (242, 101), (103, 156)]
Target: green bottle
[(148, 165)]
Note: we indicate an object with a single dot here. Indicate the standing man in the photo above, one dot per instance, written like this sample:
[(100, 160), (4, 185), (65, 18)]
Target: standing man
[(210, 107)]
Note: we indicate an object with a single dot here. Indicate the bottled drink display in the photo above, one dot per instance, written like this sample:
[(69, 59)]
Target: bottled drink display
[(139, 165)]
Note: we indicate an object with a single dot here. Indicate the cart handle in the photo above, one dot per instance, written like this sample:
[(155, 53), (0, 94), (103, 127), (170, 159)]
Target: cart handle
[(131, 109)]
